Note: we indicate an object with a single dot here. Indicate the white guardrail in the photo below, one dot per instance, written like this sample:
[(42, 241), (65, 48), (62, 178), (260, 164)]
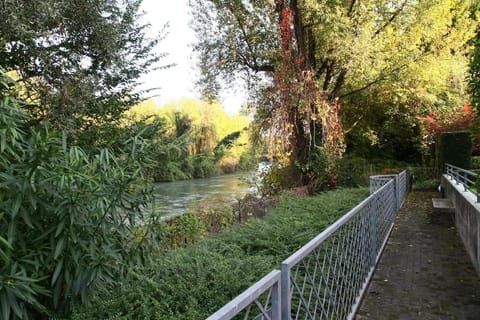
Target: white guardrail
[(326, 278), (468, 179)]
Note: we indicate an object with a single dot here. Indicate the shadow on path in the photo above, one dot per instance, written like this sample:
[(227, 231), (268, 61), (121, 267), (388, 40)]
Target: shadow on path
[(425, 272)]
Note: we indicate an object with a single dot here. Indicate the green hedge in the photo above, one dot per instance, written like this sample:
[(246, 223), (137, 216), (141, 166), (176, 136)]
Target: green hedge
[(195, 281), (455, 148), (475, 162)]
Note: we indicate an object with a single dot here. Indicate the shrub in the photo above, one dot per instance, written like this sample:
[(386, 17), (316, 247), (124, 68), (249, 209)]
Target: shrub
[(67, 219), (455, 148), (248, 161), (182, 229), (228, 164), (194, 281), (475, 162), (215, 217), (203, 165), (353, 172)]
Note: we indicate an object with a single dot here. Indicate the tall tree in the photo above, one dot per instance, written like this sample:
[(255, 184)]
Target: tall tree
[(78, 61), (310, 57)]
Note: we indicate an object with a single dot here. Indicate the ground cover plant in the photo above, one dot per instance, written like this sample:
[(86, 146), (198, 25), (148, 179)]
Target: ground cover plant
[(194, 281)]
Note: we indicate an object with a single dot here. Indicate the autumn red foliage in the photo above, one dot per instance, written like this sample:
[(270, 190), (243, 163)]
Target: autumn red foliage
[(463, 119)]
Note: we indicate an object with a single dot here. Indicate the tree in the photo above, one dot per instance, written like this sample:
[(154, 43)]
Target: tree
[(78, 62), (194, 138), (307, 59)]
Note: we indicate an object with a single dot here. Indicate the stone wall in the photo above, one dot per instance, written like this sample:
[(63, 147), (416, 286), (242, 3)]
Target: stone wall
[(467, 217)]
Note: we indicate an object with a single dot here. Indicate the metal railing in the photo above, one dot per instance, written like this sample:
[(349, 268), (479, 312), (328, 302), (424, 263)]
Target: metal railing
[(466, 178), (403, 180), (401, 185), (424, 173), (327, 277), (260, 302)]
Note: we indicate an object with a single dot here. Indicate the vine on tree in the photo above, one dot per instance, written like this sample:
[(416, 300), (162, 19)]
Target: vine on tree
[(304, 122)]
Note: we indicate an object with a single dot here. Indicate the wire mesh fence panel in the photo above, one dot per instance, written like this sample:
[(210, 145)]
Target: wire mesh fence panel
[(424, 173), (259, 302), (376, 182), (402, 186), (326, 276)]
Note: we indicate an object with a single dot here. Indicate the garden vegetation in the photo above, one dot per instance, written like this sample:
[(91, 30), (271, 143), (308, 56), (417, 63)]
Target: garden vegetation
[(194, 281), (333, 85)]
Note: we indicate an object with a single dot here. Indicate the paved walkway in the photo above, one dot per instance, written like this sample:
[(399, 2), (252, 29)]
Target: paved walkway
[(424, 272)]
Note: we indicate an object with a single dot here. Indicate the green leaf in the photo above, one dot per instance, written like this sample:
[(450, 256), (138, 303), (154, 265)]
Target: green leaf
[(26, 218), (16, 205), (5, 306), (59, 248), (3, 140), (5, 243), (12, 299), (57, 271), (60, 228)]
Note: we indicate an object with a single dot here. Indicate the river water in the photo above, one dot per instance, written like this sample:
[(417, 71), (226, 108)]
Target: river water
[(177, 197)]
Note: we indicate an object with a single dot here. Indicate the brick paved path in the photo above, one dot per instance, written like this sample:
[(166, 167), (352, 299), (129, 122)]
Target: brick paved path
[(424, 272)]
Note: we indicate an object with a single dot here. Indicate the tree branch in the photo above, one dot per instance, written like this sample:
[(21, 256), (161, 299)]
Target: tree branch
[(368, 85), (338, 84), (253, 66), (392, 18), (350, 10), (380, 78)]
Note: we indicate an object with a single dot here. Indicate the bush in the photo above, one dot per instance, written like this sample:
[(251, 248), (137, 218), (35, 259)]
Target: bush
[(203, 165), (353, 172), (248, 161), (195, 281), (215, 217), (67, 218), (182, 229), (455, 148), (228, 164), (475, 162)]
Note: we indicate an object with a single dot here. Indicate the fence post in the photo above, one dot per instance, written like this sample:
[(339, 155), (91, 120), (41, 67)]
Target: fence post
[(285, 291), (397, 190), (276, 301), (373, 231)]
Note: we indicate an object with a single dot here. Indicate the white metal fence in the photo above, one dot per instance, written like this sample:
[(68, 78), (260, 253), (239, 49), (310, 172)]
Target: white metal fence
[(261, 301), (468, 179), (327, 277)]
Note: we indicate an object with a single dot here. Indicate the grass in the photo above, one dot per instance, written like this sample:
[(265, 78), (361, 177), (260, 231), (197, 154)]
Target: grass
[(195, 281)]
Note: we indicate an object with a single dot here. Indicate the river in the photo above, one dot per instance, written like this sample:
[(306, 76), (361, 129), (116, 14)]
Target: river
[(177, 197)]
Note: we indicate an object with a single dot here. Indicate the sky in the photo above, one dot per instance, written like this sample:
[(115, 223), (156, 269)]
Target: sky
[(178, 81)]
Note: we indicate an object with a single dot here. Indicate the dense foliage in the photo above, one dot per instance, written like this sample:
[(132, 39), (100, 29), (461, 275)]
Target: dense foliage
[(195, 139), (68, 220), (376, 65), (77, 62), (474, 71), (78, 146), (455, 148), (195, 281)]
